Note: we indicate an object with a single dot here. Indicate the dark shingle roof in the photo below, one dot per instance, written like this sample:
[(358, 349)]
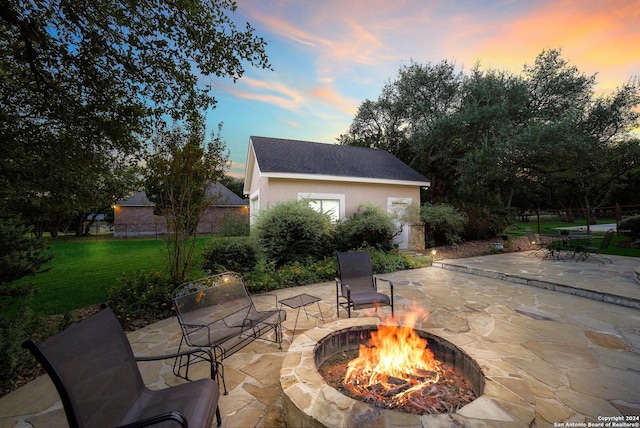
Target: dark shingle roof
[(275, 155), (226, 198)]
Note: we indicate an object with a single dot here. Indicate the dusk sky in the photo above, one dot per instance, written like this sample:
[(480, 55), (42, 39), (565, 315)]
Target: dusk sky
[(329, 56)]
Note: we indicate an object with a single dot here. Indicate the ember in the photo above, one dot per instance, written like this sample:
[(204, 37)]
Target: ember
[(396, 370)]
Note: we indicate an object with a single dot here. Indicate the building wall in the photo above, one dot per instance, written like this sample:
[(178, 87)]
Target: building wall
[(356, 194), (136, 221), (274, 190)]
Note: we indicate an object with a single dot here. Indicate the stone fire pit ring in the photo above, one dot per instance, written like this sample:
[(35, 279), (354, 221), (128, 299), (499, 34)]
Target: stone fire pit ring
[(310, 402)]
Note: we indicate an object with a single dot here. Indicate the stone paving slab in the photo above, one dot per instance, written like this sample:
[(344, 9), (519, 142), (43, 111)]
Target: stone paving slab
[(615, 282), (573, 358)]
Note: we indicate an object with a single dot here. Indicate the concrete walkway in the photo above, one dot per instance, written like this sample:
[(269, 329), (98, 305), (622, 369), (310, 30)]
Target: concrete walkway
[(563, 337)]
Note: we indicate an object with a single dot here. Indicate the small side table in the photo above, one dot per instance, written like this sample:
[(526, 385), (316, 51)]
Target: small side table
[(301, 301)]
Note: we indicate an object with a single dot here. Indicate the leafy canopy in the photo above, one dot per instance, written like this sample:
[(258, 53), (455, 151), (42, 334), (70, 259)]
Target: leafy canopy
[(85, 83)]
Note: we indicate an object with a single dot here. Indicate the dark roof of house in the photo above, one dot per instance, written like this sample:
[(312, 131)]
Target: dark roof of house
[(276, 155), (226, 198)]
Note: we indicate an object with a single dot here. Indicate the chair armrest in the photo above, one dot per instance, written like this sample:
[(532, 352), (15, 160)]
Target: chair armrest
[(259, 297), (208, 357), (173, 355), (153, 420), (340, 285), (385, 280)]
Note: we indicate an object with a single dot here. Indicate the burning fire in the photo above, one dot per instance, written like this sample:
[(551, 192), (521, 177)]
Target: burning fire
[(394, 363)]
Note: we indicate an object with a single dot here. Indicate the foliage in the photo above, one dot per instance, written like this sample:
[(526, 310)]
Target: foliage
[(267, 276), (387, 262), (443, 223), (232, 224), (632, 224), (498, 140), (293, 231), (141, 298), (482, 223), (368, 226), (229, 254), (179, 176), (16, 326), (236, 185), (84, 83), (20, 253)]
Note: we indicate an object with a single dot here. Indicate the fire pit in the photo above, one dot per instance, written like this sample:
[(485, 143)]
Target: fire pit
[(310, 401), (400, 368)]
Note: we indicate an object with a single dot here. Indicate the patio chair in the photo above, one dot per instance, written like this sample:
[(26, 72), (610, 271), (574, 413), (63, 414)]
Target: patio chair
[(540, 243), (96, 374), (586, 251), (357, 286)]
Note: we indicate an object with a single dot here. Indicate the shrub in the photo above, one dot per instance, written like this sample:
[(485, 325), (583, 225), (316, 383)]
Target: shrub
[(229, 254), (293, 231), (268, 277), (20, 253), (443, 222), (141, 298), (16, 327), (382, 262), (369, 226), (233, 225), (632, 224), (482, 223)]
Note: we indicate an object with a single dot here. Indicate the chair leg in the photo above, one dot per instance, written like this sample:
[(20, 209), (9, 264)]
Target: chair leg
[(218, 416)]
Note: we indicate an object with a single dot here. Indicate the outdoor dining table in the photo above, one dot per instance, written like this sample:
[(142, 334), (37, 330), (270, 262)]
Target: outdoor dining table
[(570, 244)]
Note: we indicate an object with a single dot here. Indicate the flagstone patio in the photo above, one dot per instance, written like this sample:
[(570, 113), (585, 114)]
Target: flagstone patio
[(558, 342)]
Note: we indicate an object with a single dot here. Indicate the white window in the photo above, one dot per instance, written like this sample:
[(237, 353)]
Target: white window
[(331, 204)]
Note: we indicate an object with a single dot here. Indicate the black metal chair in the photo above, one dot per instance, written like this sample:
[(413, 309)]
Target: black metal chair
[(586, 251), (357, 286), (96, 374)]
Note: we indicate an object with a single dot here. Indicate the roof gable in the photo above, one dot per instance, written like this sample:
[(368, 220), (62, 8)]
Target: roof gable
[(281, 156), (225, 198)]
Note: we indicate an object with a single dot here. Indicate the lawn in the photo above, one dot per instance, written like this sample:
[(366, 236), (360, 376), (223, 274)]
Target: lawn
[(83, 270), (550, 228)]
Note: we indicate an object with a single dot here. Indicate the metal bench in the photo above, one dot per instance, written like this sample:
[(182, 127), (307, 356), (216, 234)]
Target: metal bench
[(217, 312)]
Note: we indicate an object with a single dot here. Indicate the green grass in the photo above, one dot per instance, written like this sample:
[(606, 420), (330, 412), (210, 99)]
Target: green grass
[(548, 228), (83, 270)]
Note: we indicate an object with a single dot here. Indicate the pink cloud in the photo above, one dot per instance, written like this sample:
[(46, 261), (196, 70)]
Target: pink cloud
[(597, 37)]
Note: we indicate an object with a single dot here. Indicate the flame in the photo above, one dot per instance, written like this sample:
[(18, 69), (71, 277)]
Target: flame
[(393, 352)]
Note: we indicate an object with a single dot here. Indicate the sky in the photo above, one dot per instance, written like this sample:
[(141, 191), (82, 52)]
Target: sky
[(329, 56)]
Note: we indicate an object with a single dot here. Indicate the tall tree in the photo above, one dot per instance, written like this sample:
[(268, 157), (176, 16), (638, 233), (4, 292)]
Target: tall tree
[(411, 119), (491, 137), (179, 176), (83, 83)]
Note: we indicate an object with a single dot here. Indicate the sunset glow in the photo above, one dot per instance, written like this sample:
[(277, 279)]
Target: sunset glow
[(328, 57)]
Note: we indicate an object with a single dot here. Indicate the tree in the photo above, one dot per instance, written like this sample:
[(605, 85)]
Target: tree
[(83, 84), (489, 138), (179, 176), (20, 254), (411, 120), (579, 144)]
